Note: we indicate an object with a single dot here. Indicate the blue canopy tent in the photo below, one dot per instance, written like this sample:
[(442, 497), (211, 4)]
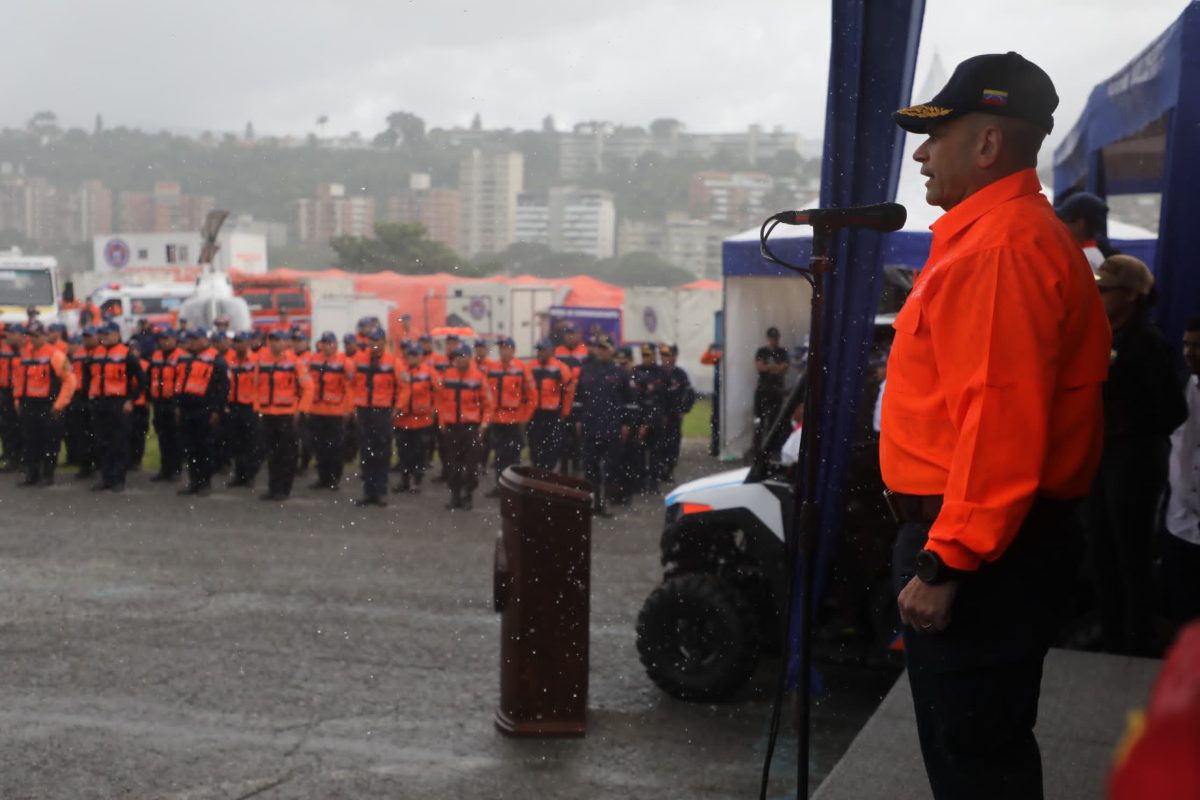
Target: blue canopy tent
[(1138, 134)]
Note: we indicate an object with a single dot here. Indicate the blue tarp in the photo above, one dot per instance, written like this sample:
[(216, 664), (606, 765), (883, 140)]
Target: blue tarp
[(871, 64), (1139, 133)]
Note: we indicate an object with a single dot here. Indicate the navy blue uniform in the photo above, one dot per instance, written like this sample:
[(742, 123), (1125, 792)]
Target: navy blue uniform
[(677, 399), (650, 386), (602, 394)]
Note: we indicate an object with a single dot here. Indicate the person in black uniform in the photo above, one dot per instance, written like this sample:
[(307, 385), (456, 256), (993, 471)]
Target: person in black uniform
[(1143, 405), (161, 388), (350, 435), (10, 421), (603, 392), (80, 450), (771, 361), (122, 382), (625, 481), (202, 389), (678, 399), (240, 421), (649, 386)]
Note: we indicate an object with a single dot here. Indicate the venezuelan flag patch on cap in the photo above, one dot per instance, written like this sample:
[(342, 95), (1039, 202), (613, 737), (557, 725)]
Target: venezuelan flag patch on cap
[(994, 97)]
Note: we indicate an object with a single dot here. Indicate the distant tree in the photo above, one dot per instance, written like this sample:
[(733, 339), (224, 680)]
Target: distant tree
[(528, 258), (43, 123), (322, 121), (400, 247), (99, 126), (389, 138), (249, 134), (663, 128), (642, 269), (548, 124), (409, 128), (477, 122)]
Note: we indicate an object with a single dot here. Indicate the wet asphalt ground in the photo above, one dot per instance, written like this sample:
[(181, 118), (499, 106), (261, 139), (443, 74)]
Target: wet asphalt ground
[(153, 646)]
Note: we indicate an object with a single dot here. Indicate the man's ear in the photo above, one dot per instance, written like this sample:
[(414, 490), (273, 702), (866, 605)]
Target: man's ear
[(989, 144)]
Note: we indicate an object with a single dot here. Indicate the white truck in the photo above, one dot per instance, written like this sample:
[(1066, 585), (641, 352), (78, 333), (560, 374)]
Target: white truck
[(25, 282), (502, 309)]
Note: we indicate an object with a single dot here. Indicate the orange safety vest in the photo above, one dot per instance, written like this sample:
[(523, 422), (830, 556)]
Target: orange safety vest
[(8, 358), (414, 400), (109, 375), (464, 397), (375, 383), (141, 398), (512, 391), (572, 358), (162, 373), (331, 381), (44, 373), (283, 384), (437, 362), (553, 387), (193, 372), (243, 382)]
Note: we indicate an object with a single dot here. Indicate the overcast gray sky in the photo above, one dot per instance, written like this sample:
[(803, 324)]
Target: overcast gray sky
[(715, 65)]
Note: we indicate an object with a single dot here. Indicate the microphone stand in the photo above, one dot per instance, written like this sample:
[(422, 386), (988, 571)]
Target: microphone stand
[(807, 520)]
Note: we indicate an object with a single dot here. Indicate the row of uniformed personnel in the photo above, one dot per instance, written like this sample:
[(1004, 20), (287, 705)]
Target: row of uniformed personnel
[(228, 401)]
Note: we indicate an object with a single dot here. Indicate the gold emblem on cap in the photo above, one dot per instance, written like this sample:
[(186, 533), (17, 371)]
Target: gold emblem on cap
[(925, 111)]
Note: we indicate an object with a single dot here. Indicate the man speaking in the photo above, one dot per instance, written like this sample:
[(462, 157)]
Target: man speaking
[(991, 428)]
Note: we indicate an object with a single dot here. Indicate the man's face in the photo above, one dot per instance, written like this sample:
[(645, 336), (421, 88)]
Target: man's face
[(351, 348), (277, 346), (36, 340), (947, 159), (773, 342), (543, 356), (200, 345), (327, 348), (1191, 351), (376, 348), (605, 354), (506, 353), (426, 346), (53, 337), (668, 360), (647, 359), (414, 360), (462, 363), (572, 339), (14, 338), (167, 343), (299, 345), (241, 347)]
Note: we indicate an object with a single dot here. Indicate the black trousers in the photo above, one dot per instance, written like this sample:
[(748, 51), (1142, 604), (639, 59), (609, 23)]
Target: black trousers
[(240, 426), (78, 425), (601, 453), (350, 441), (460, 455), (1121, 526), (139, 427), (1181, 574), (304, 442), (10, 429), (112, 426), (279, 445), (199, 441), (767, 403), (41, 430), (976, 685), (169, 447), (572, 446), (414, 446), (546, 432), (327, 432), (665, 454), (375, 450), (506, 443)]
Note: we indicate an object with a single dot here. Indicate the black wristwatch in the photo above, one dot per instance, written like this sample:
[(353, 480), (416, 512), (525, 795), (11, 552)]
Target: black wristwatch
[(932, 570)]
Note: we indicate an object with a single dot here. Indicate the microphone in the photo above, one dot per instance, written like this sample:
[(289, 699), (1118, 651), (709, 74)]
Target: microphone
[(879, 217)]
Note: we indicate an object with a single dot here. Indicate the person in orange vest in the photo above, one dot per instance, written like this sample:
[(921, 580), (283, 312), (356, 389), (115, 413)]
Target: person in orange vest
[(332, 374), (284, 392), (464, 406), (572, 352), (375, 391), (350, 435), (201, 391), (304, 445), (43, 388), (75, 423), (116, 381), (139, 423), (511, 384), (241, 423), (10, 427), (414, 420), (554, 393), (56, 336), (161, 392)]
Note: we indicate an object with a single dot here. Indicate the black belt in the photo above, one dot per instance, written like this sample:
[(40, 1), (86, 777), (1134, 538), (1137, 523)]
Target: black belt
[(914, 507)]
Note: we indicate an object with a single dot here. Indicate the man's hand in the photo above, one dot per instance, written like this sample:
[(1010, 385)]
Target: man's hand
[(927, 608), (643, 430), (127, 407), (214, 419)]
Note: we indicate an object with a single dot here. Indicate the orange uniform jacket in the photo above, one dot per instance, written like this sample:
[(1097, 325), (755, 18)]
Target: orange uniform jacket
[(162, 373), (243, 378), (512, 391), (415, 397), (553, 386), (110, 376), (8, 361), (44, 373), (994, 382), (463, 397), (375, 385), (283, 384), (332, 377)]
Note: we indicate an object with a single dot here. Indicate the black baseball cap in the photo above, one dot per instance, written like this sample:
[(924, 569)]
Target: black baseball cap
[(1004, 84)]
